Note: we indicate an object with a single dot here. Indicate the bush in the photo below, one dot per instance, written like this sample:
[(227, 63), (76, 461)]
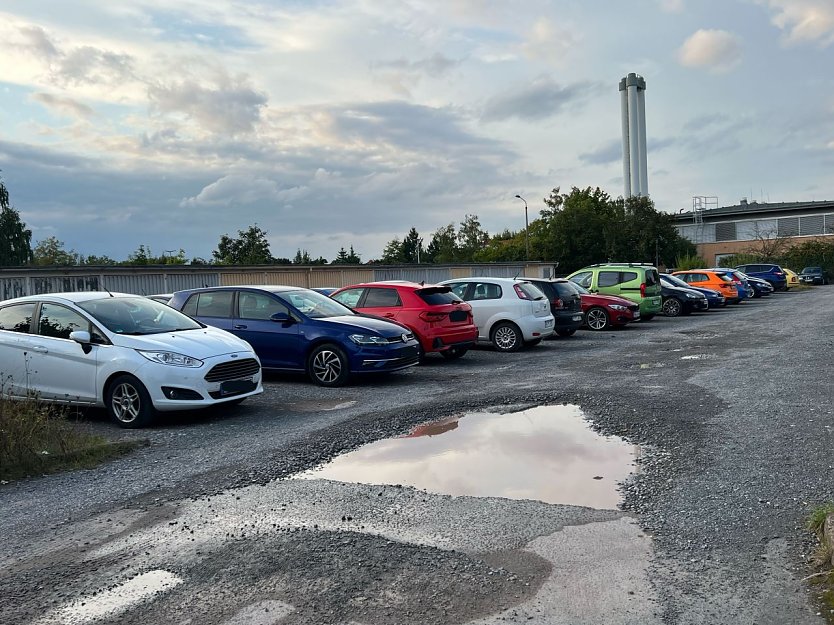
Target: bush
[(689, 261), (38, 438)]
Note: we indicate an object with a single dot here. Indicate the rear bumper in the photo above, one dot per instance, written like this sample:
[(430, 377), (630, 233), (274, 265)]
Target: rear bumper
[(567, 320), (443, 339)]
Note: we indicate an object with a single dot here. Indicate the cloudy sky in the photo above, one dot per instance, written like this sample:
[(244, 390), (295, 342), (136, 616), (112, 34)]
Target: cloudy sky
[(338, 122)]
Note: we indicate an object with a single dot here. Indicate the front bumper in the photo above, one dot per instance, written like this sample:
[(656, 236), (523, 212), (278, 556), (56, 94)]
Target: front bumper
[(375, 360)]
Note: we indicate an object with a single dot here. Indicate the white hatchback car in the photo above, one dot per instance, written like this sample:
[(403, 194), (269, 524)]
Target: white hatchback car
[(509, 312), (127, 353)]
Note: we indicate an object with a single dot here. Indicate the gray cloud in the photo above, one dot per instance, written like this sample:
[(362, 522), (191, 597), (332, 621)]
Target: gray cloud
[(63, 106), (38, 42), (230, 106), (435, 65), (542, 99), (604, 154)]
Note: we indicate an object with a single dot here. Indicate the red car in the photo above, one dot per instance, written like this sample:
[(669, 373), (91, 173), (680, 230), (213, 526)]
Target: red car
[(601, 312), (441, 321)]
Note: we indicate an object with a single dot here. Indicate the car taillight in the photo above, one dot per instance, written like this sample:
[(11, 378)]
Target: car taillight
[(520, 292), (557, 303), (778, 273), (643, 289), (736, 279), (432, 317)]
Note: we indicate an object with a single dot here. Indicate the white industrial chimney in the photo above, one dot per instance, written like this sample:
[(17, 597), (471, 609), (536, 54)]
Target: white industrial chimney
[(633, 107)]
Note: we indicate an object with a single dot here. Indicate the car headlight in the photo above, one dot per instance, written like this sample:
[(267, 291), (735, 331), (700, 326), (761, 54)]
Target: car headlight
[(368, 339), (617, 307), (693, 296), (171, 358)]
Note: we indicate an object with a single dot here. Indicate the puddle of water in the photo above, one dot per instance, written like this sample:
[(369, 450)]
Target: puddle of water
[(548, 453), (117, 599)]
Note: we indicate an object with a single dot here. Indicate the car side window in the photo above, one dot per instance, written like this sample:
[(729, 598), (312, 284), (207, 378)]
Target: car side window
[(258, 306), (58, 321), (349, 298), (382, 298), (459, 288), (215, 304), (486, 290), (17, 317), (608, 278), (190, 307), (583, 279)]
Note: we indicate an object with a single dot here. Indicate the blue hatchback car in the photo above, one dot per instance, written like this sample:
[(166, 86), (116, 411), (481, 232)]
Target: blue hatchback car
[(714, 298), (296, 329), (773, 274), (745, 291)]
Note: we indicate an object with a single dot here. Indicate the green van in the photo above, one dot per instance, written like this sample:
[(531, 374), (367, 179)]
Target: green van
[(634, 281)]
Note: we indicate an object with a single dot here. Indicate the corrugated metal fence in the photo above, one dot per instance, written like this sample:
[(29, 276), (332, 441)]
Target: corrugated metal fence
[(16, 282)]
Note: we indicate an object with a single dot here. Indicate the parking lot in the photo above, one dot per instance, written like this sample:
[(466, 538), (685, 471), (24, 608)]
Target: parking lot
[(731, 410)]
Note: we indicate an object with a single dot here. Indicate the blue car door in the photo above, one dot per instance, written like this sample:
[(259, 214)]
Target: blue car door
[(279, 345), (213, 308)]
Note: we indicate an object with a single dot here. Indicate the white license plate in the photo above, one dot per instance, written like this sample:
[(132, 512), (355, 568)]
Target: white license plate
[(548, 323), (577, 317), (637, 314)]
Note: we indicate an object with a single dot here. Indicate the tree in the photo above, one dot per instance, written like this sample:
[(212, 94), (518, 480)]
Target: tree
[(15, 238), (471, 238), (393, 252), (92, 259), (768, 244), (50, 251), (249, 248), (346, 258), (302, 257), (412, 247), (443, 247)]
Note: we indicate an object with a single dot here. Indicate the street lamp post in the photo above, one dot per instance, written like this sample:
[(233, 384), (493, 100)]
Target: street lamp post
[(526, 227)]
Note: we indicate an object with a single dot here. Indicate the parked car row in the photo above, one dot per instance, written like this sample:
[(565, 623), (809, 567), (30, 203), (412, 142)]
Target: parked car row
[(136, 356)]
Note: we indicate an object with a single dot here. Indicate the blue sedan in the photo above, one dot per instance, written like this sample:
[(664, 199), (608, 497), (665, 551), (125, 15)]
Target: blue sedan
[(296, 329)]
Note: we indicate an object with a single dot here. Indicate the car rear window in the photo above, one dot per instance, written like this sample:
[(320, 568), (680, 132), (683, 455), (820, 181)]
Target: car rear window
[(563, 289), (530, 290), (435, 296)]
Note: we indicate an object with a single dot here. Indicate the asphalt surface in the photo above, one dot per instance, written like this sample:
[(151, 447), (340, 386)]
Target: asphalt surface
[(732, 410)]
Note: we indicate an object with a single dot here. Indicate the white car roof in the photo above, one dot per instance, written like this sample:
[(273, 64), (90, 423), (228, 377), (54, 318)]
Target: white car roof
[(73, 297)]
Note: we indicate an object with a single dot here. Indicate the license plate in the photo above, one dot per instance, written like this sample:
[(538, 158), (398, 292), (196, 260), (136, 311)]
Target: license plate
[(548, 323), (577, 317), (232, 387), (637, 314)]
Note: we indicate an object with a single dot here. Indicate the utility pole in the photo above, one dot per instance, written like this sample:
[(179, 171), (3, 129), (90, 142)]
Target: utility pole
[(526, 228)]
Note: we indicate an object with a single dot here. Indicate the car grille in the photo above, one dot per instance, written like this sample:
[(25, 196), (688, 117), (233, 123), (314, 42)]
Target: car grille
[(233, 370), (458, 315), (399, 339)]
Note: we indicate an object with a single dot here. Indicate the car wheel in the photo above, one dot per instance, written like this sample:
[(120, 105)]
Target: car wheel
[(506, 337), (327, 365), (672, 307), (596, 318), (453, 353), (128, 403), (565, 332)]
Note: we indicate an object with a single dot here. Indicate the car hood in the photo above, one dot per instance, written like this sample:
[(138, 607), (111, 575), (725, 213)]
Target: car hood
[(351, 323), (201, 343)]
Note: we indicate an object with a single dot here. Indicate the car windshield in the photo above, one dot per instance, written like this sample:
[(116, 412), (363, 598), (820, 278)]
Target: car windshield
[(315, 305), (577, 287), (137, 316), (812, 270), (675, 281)]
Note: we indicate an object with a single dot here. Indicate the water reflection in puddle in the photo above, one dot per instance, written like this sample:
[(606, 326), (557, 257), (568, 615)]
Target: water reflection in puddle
[(548, 453)]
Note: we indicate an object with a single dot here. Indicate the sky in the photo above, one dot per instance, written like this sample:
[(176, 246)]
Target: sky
[(334, 123)]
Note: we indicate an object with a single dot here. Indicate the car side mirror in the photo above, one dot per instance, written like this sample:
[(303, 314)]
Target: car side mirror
[(281, 317), (81, 336)]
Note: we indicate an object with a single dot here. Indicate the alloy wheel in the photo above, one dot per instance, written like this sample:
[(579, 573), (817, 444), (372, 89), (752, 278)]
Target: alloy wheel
[(327, 366), (596, 319), (126, 403)]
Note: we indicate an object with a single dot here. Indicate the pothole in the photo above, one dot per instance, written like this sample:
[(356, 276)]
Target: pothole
[(546, 453)]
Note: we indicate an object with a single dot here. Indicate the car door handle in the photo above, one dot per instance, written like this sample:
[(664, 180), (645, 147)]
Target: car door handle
[(239, 327), (389, 315), (40, 350)]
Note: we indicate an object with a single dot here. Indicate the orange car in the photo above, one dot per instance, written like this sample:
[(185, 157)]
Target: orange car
[(705, 279)]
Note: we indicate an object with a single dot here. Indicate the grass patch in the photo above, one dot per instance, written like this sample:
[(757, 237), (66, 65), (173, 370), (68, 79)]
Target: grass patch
[(38, 438), (823, 581)]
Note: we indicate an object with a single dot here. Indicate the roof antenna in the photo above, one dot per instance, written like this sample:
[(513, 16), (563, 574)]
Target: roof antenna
[(422, 283)]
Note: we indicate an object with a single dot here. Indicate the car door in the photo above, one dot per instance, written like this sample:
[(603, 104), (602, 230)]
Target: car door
[(277, 343), (60, 367), (15, 348), (487, 306), (213, 308), (383, 302)]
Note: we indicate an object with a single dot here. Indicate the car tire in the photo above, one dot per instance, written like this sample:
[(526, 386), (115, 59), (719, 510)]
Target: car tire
[(129, 403), (453, 353), (672, 307), (596, 318), (327, 365), (506, 337), (565, 333)]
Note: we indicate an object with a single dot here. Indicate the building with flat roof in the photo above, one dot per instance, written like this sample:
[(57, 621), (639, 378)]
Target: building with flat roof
[(719, 232)]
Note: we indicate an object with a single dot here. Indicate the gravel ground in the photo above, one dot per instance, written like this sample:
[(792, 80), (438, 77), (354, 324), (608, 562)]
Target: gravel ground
[(732, 408)]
